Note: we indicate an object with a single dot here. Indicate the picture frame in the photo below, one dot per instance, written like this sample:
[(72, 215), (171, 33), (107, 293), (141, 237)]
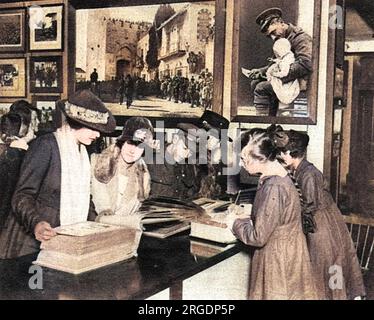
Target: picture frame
[(46, 108), (179, 55), (46, 74), (46, 101), (247, 35), (12, 77), (46, 26), (12, 26)]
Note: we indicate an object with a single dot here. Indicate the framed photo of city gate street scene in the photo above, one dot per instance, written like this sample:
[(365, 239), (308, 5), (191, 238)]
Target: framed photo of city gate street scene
[(157, 59), (13, 78), (46, 74), (275, 61), (12, 26), (46, 27)]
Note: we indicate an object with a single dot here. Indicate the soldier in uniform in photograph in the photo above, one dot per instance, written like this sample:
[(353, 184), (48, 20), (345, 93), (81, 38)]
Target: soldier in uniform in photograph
[(273, 26), (176, 177), (193, 93)]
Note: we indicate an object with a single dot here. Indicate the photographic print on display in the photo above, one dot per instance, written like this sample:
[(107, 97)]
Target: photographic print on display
[(12, 30), (46, 74), (275, 61), (158, 59), (13, 78), (46, 27), (46, 106)]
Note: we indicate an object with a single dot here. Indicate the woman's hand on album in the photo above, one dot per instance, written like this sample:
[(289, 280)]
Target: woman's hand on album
[(43, 231), (237, 212)]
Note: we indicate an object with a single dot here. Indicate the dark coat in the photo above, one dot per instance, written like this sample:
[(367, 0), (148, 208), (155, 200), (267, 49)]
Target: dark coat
[(331, 244), (174, 180), (301, 46), (10, 163), (36, 197)]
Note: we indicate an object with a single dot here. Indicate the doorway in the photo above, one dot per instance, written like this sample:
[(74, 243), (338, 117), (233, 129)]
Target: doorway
[(122, 67)]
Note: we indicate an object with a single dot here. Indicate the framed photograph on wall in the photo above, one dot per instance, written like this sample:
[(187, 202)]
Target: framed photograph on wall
[(46, 106), (161, 59), (12, 30), (13, 78), (46, 27), (275, 61), (46, 74)]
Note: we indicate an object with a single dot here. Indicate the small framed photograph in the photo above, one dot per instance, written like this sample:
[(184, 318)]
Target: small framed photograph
[(46, 27), (46, 106), (12, 26), (42, 102), (13, 78), (46, 74)]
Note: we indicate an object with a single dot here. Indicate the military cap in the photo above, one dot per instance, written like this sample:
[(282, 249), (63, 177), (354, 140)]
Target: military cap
[(265, 17), (210, 119)]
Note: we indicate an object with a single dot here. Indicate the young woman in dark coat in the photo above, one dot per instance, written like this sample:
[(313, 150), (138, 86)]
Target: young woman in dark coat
[(12, 151), (332, 252), (54, 184)]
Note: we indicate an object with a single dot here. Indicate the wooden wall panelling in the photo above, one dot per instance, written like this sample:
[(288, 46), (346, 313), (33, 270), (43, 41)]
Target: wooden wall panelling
[(27, 54), (329, 101)]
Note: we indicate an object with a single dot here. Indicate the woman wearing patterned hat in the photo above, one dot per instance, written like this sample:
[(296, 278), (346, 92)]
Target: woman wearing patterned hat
[(54, 184)]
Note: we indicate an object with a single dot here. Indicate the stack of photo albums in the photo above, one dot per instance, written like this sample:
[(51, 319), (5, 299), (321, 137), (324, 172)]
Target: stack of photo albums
[(88, 245), (85, 246), (209, 233)]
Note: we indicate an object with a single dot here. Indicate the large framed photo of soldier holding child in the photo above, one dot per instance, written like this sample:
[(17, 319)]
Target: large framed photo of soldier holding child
[(158, 59), (46, 74), (275, 66)]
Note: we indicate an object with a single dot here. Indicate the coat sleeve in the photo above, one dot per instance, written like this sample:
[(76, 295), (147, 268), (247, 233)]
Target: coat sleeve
[(33, 171), (92, 214), (302, 47), (267, 217), (9, 172), (5, 185), (146, 182)]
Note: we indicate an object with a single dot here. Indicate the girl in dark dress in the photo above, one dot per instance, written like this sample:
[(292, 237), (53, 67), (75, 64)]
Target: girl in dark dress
[(12, 151), (331, 248)]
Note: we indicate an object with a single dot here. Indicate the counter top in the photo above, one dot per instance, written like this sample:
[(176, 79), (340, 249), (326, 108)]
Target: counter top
[(160, 264)]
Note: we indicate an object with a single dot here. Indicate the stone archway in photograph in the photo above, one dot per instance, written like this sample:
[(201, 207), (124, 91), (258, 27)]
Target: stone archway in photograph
[(125, 65), (122, 67)]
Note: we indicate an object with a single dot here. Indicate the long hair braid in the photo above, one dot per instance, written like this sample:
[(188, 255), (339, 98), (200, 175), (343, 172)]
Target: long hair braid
[(291, 174)]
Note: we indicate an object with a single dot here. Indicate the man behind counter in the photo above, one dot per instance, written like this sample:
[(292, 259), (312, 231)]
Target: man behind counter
[(177, 176)]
